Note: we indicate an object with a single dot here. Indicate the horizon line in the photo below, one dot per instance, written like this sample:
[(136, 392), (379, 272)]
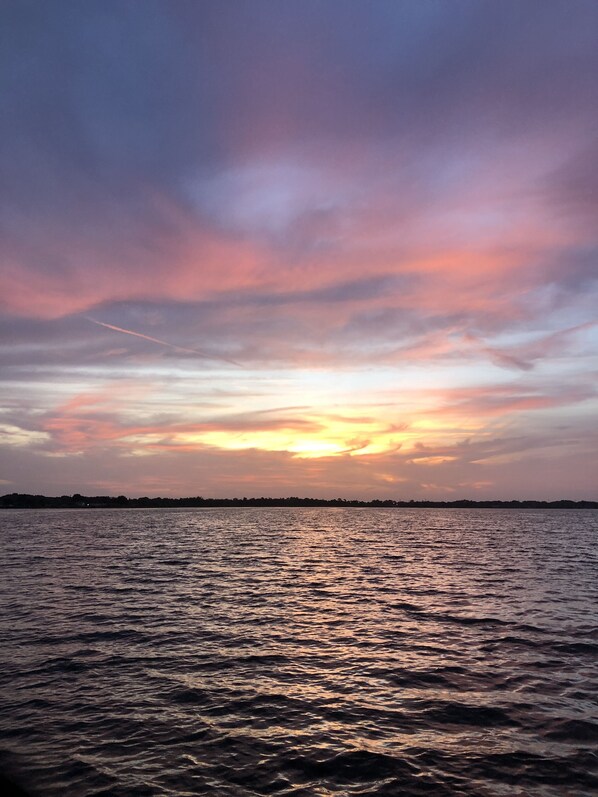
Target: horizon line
[(82, 501)]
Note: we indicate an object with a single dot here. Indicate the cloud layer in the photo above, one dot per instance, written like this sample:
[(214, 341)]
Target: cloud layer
[(381, 216)]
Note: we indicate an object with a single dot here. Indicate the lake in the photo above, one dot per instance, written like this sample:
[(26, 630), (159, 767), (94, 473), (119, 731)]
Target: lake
[(299, 652)]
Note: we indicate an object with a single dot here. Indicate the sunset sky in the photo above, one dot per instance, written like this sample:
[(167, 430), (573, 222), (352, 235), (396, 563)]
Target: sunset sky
[(280, 248)]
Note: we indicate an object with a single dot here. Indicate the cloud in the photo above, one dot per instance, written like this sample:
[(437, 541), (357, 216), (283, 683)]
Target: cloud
[(354, 201), (289, 121), (515, 468)]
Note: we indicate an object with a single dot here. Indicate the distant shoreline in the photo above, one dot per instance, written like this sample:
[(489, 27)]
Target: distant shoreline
[(77, 501)]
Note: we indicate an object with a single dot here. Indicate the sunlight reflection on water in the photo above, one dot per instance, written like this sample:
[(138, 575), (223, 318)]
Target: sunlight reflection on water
[(300, 651)]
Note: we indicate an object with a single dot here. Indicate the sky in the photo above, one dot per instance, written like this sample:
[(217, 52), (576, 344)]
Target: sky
[(290, 247)]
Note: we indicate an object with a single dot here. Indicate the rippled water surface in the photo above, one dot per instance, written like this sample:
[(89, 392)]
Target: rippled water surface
[(299, 652)]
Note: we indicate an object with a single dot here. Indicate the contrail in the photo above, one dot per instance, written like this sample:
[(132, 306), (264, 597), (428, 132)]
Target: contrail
[(162, 342)]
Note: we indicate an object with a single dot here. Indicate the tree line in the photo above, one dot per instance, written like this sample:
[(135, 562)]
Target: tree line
[(77, 501)]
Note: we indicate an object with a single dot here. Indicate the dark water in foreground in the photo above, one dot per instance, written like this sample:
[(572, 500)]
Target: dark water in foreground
[(300, 652)]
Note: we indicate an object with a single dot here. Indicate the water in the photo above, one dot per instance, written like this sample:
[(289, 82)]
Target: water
[(299, 652)]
